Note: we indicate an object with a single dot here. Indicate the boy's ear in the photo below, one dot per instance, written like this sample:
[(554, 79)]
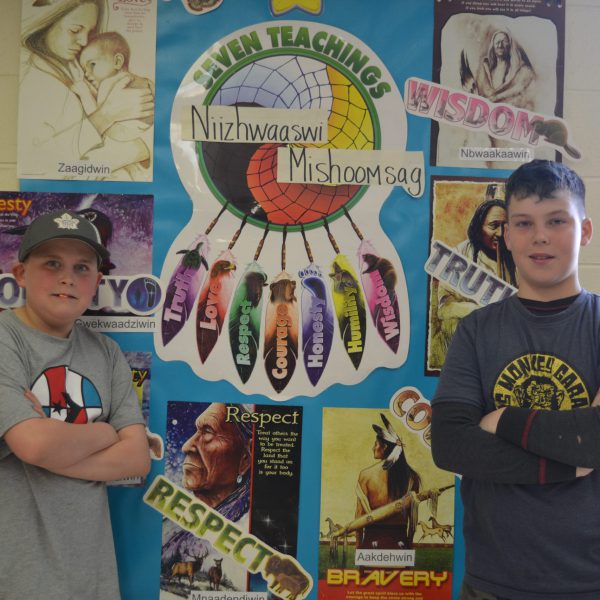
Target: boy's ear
[(18, 272), (119, 61), (586, 231), (98, 280)]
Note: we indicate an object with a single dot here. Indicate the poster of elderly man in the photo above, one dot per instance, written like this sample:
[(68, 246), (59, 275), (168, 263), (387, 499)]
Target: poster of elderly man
[(508, 55), (242, 461), (468, 218)]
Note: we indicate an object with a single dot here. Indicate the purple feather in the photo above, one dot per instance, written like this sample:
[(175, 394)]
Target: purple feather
[(183, 288), (317, 322)]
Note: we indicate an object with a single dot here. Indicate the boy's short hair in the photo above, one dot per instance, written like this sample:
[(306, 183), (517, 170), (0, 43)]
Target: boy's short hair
[(542, 178), (61, 224), (113, 42)]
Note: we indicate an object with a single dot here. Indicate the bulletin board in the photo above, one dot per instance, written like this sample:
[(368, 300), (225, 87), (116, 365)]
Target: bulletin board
[(289, 231)]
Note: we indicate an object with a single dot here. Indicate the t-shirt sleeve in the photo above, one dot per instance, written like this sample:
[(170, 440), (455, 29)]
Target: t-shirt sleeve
[(14, 407), (125, 407)]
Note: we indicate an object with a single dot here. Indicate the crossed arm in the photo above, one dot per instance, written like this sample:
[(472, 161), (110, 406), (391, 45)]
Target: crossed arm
[(92, 451), (516, 445), (459, 444), (127, 457), (510, 445), (570, 437)]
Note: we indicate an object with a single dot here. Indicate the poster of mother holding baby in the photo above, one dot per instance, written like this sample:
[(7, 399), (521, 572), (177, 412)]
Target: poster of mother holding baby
[(86, 90)]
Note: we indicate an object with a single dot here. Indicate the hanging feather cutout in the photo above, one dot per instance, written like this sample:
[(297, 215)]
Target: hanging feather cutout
[(245, 319), (245, 315), (213, 303), (349, 304), (317, 319), (281, 328), (183, 288), (317, 322), (215, 297), (281, 332), (379, 280), (186, 280)]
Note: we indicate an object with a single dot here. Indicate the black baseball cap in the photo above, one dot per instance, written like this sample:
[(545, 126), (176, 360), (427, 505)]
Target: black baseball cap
[(61, 224)]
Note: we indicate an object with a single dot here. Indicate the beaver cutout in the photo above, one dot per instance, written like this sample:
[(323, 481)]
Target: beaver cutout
[(555, 132)]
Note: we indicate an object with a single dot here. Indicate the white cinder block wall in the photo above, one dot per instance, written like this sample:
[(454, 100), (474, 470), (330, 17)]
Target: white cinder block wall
[(10, 19), (582, 102)]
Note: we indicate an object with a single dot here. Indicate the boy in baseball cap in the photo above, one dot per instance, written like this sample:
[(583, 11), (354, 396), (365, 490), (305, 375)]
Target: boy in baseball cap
[(62, 224), (69, 420)]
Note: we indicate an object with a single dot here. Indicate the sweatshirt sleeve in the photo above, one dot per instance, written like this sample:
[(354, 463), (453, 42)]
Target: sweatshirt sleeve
[(570, 436), (458, 444)]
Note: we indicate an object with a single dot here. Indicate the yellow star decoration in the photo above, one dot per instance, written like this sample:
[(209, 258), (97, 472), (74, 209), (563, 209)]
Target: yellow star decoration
[(280, 7)]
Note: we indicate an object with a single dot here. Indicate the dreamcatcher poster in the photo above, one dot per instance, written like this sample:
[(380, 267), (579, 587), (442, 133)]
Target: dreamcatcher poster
[(288, 139)]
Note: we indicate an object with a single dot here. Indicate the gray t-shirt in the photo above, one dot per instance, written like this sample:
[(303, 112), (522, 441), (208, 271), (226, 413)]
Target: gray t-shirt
[(56, 534)]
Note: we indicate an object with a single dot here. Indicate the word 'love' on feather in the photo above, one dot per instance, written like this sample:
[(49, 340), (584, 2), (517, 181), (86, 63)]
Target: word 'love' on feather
[(213, 303)]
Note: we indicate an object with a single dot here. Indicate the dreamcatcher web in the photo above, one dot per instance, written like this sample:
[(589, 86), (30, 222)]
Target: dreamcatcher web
[(247, 175), (279, 82)]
